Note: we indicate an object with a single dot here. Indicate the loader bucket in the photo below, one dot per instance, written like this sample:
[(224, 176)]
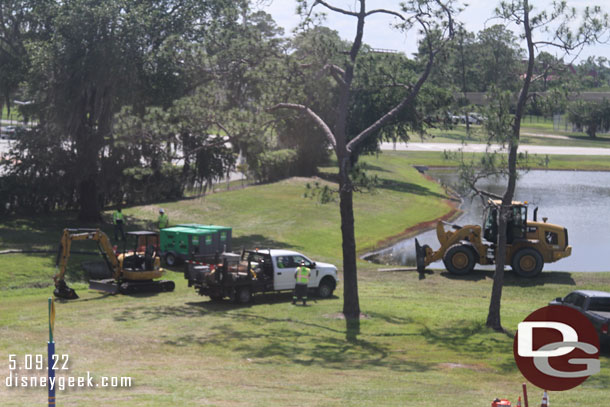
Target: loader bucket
[(420, 256), (63, 291)]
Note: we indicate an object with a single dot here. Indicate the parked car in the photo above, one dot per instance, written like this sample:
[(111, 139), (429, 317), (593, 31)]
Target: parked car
[(258, 271), (7, 133), (473, 118), (595, 305)]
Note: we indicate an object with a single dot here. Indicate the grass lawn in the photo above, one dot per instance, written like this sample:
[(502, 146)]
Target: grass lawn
[(458, 135), (556, 162), (15, 115), (422, 343)]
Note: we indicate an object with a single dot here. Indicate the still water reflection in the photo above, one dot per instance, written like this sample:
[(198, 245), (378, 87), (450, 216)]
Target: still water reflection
[(578, 200)]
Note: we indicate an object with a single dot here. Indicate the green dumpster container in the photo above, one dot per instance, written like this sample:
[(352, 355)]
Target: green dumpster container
[(224, 235), (179, 243)]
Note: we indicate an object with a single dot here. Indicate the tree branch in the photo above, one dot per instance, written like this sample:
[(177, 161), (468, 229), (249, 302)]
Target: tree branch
[(390, 12), (337, 9), (317, 119), (409, 99)]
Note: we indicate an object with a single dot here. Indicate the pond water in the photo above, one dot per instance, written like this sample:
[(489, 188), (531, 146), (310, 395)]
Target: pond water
[(577, 200)]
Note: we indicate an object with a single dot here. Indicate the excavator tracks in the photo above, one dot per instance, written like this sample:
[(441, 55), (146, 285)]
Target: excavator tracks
[(132, 287)]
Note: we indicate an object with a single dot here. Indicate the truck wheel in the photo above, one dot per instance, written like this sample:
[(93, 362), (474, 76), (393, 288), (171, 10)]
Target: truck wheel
[(244, 295), (170, 259), (326, 287), (527, 262), (459, 259)]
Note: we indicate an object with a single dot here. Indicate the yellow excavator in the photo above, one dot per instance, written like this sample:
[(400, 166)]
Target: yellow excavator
[(530, 244), (133, 271)]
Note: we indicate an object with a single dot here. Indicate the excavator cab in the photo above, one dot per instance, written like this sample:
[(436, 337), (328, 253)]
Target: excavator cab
[(145, 250)]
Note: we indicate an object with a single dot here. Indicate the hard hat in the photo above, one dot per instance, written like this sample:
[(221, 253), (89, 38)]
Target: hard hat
[(302, 261), (161, 210)]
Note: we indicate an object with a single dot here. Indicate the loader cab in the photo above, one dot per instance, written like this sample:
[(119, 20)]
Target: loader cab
[(516, 227)]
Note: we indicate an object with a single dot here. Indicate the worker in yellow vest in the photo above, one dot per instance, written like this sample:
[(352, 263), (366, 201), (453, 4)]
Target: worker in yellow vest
[(300, 288), (163, 219), (118, 222)]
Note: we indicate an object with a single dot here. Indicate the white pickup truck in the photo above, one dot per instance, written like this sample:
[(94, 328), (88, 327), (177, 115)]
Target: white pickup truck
[(259, 271)]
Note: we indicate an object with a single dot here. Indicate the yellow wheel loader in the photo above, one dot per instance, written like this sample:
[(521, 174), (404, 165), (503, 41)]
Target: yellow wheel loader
[(530, 244), (133, 271)]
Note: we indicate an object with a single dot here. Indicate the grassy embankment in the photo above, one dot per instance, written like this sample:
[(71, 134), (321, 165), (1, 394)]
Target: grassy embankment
[(423, 343)]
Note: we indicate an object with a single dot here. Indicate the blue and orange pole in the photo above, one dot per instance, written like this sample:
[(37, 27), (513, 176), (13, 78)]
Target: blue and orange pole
[(51, 352)]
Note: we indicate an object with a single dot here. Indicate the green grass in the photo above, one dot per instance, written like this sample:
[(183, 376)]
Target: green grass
[(422, 343), (15, 115), (556, 162), (458, 135)]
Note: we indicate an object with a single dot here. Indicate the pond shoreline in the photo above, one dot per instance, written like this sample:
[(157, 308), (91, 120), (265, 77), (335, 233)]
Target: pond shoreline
[(454, 213)]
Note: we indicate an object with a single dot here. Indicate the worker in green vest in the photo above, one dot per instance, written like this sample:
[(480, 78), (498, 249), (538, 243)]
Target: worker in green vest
[(163, 219), (118, 222), (300, 288)]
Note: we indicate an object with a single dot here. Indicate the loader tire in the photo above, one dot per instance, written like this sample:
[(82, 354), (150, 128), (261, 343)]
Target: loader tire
[(459, 259), (527, 262)]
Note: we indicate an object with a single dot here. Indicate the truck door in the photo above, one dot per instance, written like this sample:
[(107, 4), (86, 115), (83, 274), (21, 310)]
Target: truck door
[(283, 273), (286, 267), (315, 274)]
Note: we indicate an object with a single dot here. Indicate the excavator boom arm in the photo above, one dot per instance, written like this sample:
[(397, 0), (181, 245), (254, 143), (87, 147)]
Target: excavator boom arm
[(65, 245)]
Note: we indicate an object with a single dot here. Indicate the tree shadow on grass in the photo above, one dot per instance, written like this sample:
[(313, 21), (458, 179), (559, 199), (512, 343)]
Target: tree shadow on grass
[(302, 343), (393, 185), (202, 308), (512, 279), (270, 340), (599, 138), (474, 338), (409, 188), (371, 167)]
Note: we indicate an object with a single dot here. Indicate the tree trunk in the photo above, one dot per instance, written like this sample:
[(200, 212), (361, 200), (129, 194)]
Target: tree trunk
[(493, 316), (351, 303), (89, 207)]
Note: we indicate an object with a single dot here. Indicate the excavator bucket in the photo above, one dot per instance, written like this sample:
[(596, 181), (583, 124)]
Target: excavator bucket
[(420, 256), (63, 291)]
